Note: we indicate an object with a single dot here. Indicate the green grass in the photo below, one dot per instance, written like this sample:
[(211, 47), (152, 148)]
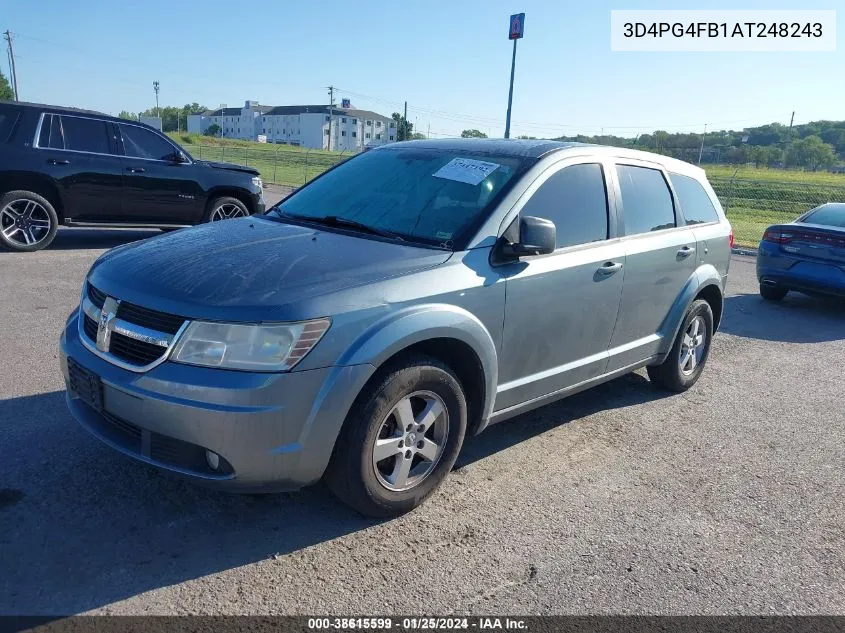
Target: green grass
[(754, 198)]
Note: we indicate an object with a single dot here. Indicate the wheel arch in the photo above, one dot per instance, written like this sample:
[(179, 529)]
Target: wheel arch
[(705, 283), (450, 334), (225, 191), (37, 183)]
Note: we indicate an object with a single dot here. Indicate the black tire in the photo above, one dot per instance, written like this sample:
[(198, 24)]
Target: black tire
[(772, 293), (211, 212), (39, 227), (351, 474), (669, 373)]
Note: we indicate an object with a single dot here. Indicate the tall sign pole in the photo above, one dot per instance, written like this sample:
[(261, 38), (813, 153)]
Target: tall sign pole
[(517, 29)]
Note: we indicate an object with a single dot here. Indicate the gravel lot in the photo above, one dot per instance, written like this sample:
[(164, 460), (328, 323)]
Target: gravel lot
[(623, 499)]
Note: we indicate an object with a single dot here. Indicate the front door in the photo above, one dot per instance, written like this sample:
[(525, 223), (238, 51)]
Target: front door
[(561, 308), (158, 189), (660, 258)]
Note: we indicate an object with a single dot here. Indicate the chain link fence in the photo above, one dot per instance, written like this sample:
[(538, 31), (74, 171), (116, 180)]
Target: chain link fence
[(753, 205)]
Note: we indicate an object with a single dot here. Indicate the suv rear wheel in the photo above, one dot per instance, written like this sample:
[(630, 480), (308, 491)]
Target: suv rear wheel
[(28, 222), (685, 362), (400, 440), (225, 208)]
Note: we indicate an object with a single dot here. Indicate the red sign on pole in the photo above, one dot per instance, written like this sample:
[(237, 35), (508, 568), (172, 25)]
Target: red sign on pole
[(517, 26)]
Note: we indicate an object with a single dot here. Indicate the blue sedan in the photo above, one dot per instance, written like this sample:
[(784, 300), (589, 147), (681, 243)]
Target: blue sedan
[(807, 255)]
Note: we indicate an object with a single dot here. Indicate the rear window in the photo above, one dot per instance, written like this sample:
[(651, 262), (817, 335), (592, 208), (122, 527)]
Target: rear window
[(827, 215), (646, 200), (8, 117), (695, 203), (85, 135)]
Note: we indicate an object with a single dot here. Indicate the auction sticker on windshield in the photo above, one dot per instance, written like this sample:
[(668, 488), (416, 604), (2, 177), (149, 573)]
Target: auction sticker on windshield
[(466, 170)]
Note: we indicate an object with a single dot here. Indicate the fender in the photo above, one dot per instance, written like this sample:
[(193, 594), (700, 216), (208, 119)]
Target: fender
[(416, 324), (703, 276)]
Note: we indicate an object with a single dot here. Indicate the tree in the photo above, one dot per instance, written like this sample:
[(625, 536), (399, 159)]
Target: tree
[(128, 115), (6, 93), (473, 133), (764, 155), (811, 153), (212, 130), (403, 127)]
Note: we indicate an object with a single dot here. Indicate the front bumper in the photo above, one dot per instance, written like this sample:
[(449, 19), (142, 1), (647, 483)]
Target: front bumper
[(272, 431)]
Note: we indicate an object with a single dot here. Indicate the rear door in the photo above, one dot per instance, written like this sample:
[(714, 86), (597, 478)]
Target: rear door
[(660, 257), (158, 189), (80, 153)]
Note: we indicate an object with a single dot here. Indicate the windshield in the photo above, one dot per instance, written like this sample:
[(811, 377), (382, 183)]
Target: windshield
[(434, 197)]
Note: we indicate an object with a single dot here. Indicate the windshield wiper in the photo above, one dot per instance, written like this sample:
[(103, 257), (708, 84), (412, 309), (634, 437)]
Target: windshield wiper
[(333, 220)]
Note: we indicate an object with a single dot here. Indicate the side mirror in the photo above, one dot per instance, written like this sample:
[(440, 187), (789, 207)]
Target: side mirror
[(179, 157), (537, 236)]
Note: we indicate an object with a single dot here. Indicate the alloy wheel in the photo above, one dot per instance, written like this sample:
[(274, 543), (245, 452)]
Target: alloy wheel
[(25, 222), (693, 346), (227, 211), (411, 440)]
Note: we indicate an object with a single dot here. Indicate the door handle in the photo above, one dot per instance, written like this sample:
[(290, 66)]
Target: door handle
[(686, 251), (135, 170), (609, 268), (56, 161)]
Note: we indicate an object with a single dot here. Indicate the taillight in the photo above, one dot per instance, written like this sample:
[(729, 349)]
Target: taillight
[(731, 238), (777, 236)]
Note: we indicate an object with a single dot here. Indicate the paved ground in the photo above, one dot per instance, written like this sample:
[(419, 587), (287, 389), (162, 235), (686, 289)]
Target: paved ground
[(728, 499)]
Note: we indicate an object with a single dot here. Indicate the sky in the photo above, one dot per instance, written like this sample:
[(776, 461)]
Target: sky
[(450, 60)]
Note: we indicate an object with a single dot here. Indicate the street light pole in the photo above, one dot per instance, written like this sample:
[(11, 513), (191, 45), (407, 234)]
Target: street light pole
[(510, 93), (158, 110)]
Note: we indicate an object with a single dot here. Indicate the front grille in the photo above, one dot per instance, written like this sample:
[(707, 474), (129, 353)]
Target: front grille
[(85, 385), (90, 327), (97, 297), (134, 351), (152, 319)]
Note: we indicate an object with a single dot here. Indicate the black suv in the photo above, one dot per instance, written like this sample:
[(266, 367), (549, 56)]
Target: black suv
[(81, 168)]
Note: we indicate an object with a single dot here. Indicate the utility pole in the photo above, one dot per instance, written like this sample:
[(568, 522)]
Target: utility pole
[(158, 110), (331, 116), (405, 123), (517, 26), (428, 134), (701, 149), (791, 119), (12, 65)]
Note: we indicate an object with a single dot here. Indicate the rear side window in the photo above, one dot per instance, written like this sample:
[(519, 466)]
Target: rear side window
[(141, 143), (85, 135), (646, 200), (574, 199), (8, 117), (695, 203), (51, 132)]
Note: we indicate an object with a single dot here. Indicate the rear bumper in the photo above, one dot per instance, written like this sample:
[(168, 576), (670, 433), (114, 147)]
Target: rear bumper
[(272, 432), (774, 267)]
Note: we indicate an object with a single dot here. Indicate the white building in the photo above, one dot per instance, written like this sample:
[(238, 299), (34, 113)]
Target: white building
[(314, 126)]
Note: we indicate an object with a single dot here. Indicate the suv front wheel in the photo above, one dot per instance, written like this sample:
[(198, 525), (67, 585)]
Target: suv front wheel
[(225, 208), (401, 438), (28, 222)]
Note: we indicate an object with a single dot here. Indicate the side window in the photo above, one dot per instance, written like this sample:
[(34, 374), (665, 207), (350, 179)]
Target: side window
[(574, 199), (695, 203), (646, 200), (8, 117), (51, 132), (141, 143), (85, 135)]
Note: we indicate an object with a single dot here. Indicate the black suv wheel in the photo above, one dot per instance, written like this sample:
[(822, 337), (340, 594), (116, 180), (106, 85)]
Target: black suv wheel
[(225, 208), (28, 222)]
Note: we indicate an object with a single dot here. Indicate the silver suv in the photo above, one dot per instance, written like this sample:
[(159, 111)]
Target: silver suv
[(410, 296)]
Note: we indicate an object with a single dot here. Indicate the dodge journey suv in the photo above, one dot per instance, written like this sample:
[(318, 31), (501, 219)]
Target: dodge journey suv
[(416, 294)]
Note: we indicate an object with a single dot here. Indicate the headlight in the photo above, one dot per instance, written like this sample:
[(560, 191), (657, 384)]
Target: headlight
[(249, 347), (258, 182)]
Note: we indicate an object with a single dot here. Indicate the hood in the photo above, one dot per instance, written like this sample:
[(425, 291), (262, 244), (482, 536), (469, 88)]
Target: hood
[(227, 166), (250, 269)]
